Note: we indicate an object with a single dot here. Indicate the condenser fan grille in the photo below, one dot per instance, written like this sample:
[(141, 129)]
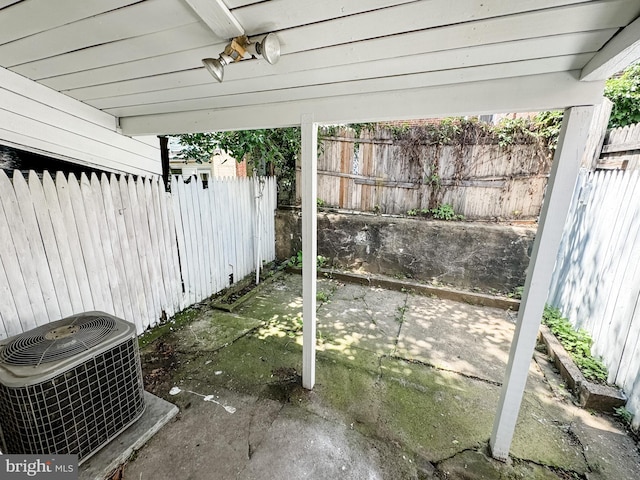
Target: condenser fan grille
[(69, 387), (58, 340), (77, 411)]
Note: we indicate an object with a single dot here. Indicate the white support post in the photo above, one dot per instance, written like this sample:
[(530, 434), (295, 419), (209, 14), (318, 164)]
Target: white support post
[(564, 172), (309, 247)]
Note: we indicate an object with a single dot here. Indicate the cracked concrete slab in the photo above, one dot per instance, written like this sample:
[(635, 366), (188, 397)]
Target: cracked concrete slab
[(215, 331), (363, 317), (378, 414), (459, 337), (206, 441)]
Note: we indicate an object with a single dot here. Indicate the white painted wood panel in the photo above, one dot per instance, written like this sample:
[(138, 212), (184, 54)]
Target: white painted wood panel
[(450, 37), (544, 92), (33, 16), (15, 83), (596, 280), (60, 266), (92, 191), (89, 252), (115, 244), (25, 318), (112, 236), (141, 235), (9, 320), (67, 243), (94, 62), (27, 268), (140, 18), (127, 236), (197, 83), (36, 243), (160, 231), (156, 257), (286, 92)]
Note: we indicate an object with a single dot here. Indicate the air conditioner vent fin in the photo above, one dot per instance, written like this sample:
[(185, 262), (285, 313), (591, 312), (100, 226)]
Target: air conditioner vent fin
[(57, 341)]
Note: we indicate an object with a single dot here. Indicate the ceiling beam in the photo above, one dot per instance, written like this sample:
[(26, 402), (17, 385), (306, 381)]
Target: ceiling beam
[(543, 92), (621, 51), (216, 15)]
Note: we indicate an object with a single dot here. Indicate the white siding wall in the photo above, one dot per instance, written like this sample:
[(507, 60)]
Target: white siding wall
[(38, 119)]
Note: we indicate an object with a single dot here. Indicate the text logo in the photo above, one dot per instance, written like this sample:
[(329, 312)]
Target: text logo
[(45, 467)]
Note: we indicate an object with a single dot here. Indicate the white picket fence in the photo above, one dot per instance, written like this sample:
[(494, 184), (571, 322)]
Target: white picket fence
[(596, 283), (124, 246)]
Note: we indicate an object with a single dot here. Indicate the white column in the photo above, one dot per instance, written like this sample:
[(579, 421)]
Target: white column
[(564, 172), (309, 247)]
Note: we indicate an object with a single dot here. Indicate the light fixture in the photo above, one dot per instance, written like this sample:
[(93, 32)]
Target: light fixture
[(268, 48), (215, 66)]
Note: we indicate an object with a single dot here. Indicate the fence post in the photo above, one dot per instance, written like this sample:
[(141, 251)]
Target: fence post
[(597, 132)]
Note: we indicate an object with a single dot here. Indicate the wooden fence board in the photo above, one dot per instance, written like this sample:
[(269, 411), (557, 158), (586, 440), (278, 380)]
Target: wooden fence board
[(373, 173), (155, 257), (127, 240), (72, 234), (119, 279), (67, 243), (171, 248), (123, 245), (68, 297), (95, 269), (12, 278), (17, 258), (9, 324), (596, 281), (91, 211), (36, 247), (163, 249)]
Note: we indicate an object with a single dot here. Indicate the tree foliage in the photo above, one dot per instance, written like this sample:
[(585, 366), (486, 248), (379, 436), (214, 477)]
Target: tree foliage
[(624, 92), (267, 151)]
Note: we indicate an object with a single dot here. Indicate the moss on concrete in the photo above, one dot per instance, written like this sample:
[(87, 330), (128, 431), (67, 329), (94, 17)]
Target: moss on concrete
[(437, 414), (421, 414), (478, 465), (178, 321)]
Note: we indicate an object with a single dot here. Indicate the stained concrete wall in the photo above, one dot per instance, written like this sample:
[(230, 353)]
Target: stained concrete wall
[(465, 255)]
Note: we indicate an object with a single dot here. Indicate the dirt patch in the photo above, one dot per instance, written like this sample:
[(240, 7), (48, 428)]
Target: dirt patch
[(158, 363), (233, 297), (287, 384)]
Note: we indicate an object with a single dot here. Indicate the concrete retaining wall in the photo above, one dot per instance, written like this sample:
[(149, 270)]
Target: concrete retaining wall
[(466, 255)]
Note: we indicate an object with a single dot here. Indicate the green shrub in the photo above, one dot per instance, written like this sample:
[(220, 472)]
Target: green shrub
[(577, 343), (445, 212)]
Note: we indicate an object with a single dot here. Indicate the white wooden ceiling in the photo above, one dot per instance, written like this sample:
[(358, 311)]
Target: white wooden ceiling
[(342, 60)]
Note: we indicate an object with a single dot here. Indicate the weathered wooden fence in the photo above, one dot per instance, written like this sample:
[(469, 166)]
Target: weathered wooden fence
[(124, 246), (377, 173), (621, 149), (596, 282)]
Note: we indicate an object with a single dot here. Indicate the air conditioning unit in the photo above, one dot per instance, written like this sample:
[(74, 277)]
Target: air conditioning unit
[(69, 387)]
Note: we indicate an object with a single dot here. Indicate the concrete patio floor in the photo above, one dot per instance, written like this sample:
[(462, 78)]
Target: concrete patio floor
[(407, 388)]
